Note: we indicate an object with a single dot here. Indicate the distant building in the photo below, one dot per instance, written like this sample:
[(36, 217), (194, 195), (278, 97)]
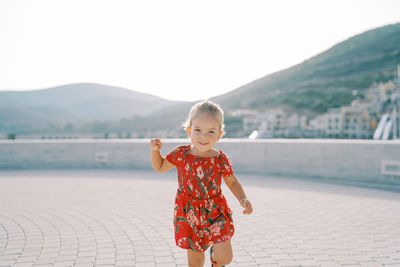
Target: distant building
[(357, 125), (356, 121)]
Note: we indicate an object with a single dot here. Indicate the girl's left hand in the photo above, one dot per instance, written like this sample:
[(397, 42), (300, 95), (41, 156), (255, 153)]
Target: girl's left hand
[(248, 208)]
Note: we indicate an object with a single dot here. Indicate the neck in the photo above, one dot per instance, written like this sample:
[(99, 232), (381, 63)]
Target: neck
[(208, 153)]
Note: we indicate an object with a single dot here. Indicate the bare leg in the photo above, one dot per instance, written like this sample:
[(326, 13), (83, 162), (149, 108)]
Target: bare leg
[(195, 259), (222, 253)]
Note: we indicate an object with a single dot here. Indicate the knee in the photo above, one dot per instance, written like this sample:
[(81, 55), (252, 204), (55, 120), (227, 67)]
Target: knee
[(195, 262), (223, 259)]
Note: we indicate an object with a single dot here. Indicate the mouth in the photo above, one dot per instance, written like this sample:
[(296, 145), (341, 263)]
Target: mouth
[(203, 144)]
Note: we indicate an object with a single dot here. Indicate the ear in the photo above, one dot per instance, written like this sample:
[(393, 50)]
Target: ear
[(220, 134), (188, 130)]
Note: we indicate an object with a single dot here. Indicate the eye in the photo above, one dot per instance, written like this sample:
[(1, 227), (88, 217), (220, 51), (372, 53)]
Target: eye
[(197, 130), (211, 132)]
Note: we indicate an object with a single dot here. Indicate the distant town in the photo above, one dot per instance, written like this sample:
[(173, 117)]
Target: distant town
[(374, 115)]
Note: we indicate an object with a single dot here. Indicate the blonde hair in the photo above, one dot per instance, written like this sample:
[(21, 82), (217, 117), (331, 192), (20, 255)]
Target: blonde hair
[(206, 107)]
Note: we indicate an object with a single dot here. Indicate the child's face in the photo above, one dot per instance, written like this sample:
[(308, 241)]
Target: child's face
[(204, 132)]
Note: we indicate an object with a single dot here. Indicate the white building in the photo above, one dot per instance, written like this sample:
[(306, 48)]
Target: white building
[(358, 120)]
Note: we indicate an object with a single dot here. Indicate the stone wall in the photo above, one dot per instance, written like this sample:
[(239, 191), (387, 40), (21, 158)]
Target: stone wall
[(366, 161)]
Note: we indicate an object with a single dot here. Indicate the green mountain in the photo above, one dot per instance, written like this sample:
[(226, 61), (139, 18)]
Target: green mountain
[(53, 109), (326, 80)]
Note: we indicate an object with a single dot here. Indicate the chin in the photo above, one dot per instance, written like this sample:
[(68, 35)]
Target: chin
[(202, 148)]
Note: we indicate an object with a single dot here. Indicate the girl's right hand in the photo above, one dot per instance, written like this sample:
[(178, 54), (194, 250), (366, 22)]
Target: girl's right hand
[(155, 144)]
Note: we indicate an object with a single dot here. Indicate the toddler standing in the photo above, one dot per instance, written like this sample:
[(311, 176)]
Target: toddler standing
[(202, 217)]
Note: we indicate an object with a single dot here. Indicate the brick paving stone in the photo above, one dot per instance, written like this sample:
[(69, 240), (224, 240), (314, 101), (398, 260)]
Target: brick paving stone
[(306, 262), (26, 259), (114, 218), (258, 254), (331, 264), (125, 257), (265, 260), (387, 261), (6, 263), (280, 257), (370, 264), (182, 261), (166, 264), (22, 264), (145, 264), (83, 265), (164, 259), (8, 257), (288, 263), (63, 264), (300, 257), (125, 263)]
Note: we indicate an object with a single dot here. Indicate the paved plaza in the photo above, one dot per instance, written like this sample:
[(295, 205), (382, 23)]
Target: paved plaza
[(124, 218)]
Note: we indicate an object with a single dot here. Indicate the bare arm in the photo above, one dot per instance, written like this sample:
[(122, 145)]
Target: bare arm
[(160, 164), (237, 190)]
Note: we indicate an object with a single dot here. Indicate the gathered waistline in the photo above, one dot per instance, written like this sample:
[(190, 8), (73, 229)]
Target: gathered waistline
[(218, 195)]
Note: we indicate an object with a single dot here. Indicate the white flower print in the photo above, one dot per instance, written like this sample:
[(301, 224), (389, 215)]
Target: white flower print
[(192, 219), (200, 172), (209, 204), (215, 228)]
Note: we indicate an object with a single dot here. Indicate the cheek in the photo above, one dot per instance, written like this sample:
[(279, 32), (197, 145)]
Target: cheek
[(214, 137)]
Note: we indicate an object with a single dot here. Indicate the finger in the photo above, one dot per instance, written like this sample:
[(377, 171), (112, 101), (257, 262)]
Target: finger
[(248, 210)]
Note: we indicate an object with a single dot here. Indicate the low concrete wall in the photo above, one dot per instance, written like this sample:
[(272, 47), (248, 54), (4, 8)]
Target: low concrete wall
[(367, 161)]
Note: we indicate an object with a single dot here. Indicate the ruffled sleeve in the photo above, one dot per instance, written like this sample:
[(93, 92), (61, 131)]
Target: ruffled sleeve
[(226, 168), (176, 155)]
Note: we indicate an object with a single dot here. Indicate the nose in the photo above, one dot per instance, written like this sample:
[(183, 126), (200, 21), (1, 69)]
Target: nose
[(203, 135)]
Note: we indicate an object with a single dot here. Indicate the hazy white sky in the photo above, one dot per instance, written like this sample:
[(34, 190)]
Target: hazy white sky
[(181, 50)]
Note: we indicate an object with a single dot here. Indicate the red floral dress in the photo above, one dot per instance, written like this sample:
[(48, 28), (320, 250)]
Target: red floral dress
[(201, 215)]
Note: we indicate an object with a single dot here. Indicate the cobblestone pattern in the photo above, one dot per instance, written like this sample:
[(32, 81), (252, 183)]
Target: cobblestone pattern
[(124, 218)]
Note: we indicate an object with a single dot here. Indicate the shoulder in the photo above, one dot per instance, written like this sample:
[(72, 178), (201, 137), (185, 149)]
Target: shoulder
[(177, 154), (179, 148), (223, 158), (221, 154), (225, 165), (184, 149)]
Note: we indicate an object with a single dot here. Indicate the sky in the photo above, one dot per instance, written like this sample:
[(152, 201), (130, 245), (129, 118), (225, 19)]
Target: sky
[(179, 50)]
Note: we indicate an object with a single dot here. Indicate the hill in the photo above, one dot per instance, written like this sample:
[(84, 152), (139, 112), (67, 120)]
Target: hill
[(326, 80), (84, 102)]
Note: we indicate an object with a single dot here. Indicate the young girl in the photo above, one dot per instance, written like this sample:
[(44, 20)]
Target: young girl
[(202, 217)]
